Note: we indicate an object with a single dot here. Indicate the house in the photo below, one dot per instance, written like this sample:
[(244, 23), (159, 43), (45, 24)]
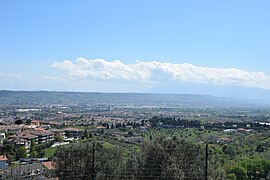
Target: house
[(22, 139), (27, 171), (58, 132), (25, 137), (19, 142), (10, 129), (35, 123), (73, 132), (229, 130), (49, 165), (43, 136), (3, 162), (46, 127)]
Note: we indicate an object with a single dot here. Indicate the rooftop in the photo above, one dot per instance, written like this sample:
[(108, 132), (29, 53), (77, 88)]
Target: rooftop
[(49, 165), (9, 127), (3, 158), (24, 135)]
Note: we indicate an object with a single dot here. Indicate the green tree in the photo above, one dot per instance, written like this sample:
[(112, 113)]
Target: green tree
[(21, 153), (86, 134), (59, 138), (18, 122), (260, 148), (9, 150), (68, 134), (162, 158), (172, 157), (130, 133), (231, 176), (255, 168), (230, 151), (239, 172), (142, 124), (90, 135), (33, 151)]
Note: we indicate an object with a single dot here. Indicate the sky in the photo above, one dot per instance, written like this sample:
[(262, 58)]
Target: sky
[(210, 47)]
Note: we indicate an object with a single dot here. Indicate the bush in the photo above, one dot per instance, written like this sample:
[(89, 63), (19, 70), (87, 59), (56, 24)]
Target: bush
[(239, 171)]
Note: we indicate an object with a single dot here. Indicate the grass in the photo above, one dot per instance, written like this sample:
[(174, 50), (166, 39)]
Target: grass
[(50, 152)]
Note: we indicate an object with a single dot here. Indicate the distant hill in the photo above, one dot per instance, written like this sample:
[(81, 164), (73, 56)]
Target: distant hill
[(137, 99)]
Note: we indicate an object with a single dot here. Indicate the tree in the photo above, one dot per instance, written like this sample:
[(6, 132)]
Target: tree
[(162, 158), (33, 151), (261, 148), (231, 176), (142, 124), (90, 135), (130, 133), (28, 121), (86, 134), (68, 134), (18, 122), (21, 153), (59, 138), (171, 157), (230, 151), (134, 125), (9, 151), (239, 171), (75, 160)]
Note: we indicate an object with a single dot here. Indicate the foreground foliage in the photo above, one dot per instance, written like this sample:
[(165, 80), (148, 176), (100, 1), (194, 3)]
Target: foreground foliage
[(162, 158)]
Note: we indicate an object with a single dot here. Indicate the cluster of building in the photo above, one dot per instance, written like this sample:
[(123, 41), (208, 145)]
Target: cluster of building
[(23, 135)]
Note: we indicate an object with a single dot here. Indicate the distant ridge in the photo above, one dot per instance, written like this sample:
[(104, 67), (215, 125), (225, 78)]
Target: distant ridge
[(136, 99)]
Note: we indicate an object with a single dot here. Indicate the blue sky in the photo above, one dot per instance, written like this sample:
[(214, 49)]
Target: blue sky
[(36, 37)]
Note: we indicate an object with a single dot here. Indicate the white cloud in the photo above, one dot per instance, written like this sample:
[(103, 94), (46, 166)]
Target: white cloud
[(9, 77), (162, 71)]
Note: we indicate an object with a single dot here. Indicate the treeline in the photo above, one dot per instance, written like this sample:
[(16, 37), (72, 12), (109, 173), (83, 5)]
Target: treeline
[(172, 121), (162, 158), (123, 125)]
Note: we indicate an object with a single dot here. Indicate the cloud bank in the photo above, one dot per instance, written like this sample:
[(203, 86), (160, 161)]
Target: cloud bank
[(9, 77), (146, 71)]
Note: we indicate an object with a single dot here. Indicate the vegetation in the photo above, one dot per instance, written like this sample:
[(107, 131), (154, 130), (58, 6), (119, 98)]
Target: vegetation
[(162, 157), (59, 138), (49, 152), (21, 153), (33, 153)]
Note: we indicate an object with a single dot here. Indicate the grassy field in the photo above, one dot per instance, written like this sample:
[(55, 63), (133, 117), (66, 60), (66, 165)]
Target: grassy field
[(49, 152)]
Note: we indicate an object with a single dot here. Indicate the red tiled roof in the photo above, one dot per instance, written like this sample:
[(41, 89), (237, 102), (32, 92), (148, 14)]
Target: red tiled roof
[(49, 165), (39, 129), (3, 158), (35, 121)]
